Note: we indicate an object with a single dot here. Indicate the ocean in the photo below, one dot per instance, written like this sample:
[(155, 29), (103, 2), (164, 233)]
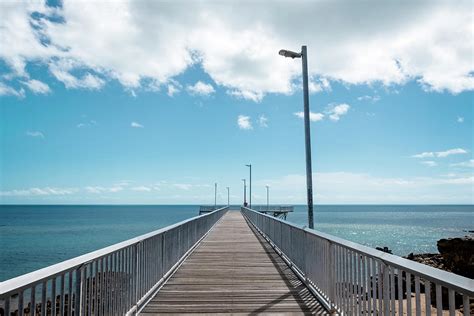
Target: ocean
[(33, 237)]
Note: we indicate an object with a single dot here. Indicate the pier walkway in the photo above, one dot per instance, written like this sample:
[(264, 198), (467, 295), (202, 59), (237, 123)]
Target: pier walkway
[(231, 262), (234, 270)]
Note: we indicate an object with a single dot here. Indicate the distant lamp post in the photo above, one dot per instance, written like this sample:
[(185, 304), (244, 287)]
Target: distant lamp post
[(245, 193), (309, 175), (268, 204), (250, 189), (228, 196), (215, 195)]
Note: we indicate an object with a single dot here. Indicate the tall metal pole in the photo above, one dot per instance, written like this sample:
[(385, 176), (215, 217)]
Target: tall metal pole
[(307, 133), (245, 193), (250, 193), (228, 196), (267, 200), (215, 195)]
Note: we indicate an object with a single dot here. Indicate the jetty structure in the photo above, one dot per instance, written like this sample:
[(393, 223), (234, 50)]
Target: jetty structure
[(237, 261)]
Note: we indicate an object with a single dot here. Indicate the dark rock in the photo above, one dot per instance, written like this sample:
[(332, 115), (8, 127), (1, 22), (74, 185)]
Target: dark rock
[(384, 249), (434, 260), (458, 255)]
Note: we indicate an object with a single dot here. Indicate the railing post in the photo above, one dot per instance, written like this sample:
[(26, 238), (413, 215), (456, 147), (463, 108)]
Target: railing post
[(332, 274), (306, 263), (78, 298), (136, 276)]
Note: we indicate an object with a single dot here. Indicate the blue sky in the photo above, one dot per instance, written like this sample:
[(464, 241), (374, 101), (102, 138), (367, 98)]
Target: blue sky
[(102, 117)]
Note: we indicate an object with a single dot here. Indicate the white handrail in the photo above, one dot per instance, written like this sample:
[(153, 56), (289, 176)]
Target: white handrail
[(123, 263), (347, 271)]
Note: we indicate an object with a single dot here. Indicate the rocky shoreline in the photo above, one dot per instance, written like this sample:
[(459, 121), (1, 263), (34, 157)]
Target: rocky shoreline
[(455, 255)]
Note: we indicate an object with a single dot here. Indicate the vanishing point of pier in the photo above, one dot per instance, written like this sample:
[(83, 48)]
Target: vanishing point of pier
[(237, 262)]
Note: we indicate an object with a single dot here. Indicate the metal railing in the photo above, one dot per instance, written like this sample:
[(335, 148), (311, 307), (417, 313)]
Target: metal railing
[(116, 280), (351, 279)]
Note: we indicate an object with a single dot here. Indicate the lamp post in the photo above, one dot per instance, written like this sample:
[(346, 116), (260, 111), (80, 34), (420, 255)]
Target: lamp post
[(228, 196), (250, 191), (215, 195), (268, 204), (309, 176), (245, 193)]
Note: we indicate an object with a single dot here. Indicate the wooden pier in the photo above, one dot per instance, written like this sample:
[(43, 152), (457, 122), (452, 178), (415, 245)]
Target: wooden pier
[(239, 263), (234, 271)]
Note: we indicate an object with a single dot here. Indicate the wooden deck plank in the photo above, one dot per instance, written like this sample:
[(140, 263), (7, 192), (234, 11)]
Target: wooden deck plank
[(234, 271)]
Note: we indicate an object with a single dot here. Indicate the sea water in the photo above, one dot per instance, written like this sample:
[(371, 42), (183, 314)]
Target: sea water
[(33, 237)]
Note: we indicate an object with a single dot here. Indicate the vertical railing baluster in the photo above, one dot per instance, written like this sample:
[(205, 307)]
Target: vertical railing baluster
[(386, 288), (380, 279), (332, 275), (364, 283), (6, 305), (62, 294), (400, 291), (357, 278), (32, 300), (369, 286), (43, 298), (417, 295), (53, 296), (428, 298), (451, 302), (83, 307), (408, 283), (375, 286), (80, 294), (391, 271), (20, 304), (439, 301), (70, 290), (466, 305)]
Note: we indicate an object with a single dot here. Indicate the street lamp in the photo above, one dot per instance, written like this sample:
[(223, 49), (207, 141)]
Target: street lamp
[(228, 196), (245, 193), (309, 176), (250, 191), (215, 195), (267, 199)]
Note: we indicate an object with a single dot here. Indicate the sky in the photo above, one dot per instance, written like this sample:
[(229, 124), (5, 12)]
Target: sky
[(139, 102)]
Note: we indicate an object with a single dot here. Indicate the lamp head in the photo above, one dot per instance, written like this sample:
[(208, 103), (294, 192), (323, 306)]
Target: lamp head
[(289, 53)]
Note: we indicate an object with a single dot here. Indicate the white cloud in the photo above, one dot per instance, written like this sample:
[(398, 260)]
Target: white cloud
[(469, 164), (460, 119), (263, 121), (429, 163), (244, 122), (87, 124), (141, 188), (101, 189), (363, 188), (313, 117), (173, 88), (370, 98), (37, 86), (7, 90), (424, 155), (318, 85), (136, 125), (135, 41), (455, 151), (35, 134), (441, 154), (200, 88), (247, 95), (337, 111), (39, 192)]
